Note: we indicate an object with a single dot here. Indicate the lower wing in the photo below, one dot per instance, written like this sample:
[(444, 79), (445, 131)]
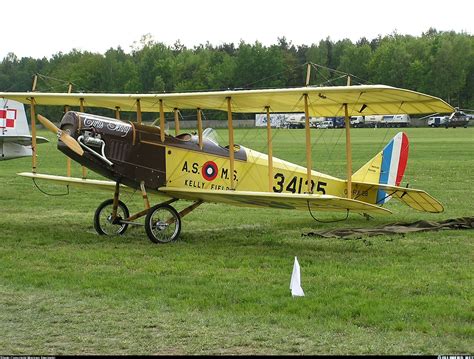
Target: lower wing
[(414, 198), (275, 200), (76, 182)]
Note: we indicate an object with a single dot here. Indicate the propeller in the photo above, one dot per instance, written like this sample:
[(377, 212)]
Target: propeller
[(68, 140)]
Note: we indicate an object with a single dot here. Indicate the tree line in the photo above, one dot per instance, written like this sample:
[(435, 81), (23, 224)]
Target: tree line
[(436, 63)]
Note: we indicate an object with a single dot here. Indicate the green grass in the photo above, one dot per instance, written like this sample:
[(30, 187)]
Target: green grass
[(223, 288)]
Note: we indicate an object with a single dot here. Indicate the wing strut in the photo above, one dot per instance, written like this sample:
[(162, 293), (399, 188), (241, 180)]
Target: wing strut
[(68, 160), (347, 122), (176, 121), (270, 150), (162, 122), (33, 135), (308, 143), (231, 141), (139, 112), (199, 124), (33, 125), (84, 168)]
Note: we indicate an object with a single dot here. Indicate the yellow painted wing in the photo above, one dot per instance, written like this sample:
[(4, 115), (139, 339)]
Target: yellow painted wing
[(414, 198), (76, 182), (322, 101), (275, 200)]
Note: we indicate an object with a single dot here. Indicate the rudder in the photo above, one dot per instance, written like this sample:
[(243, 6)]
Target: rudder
[(387, 167)]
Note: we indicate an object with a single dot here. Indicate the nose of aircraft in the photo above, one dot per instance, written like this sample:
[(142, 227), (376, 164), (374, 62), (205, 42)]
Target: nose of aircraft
[(70, 123), (63, 135)]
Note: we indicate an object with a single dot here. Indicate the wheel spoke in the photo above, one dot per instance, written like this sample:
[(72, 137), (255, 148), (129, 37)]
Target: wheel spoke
[(162, 224), (105, 223)]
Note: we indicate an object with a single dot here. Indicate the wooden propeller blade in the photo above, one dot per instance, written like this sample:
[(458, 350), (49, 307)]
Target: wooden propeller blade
[(48, 124), (63, 136), (71, 143)]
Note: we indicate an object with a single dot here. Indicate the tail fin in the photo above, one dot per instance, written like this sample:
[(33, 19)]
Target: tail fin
[(13, 119), (387, 167), (15, 139)]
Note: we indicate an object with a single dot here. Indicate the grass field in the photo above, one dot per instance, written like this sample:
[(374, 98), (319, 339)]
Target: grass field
[(224, 287)]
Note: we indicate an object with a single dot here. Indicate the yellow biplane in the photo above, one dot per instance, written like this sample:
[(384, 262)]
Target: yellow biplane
[(197, 168)]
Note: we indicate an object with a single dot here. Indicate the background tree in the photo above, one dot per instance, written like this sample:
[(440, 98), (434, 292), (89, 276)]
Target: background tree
[(437, 63)]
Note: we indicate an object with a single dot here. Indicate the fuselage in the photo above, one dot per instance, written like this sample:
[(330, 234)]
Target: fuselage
[(130, 153)]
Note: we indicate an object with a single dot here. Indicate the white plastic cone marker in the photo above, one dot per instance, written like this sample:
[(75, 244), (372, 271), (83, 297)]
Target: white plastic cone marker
[(295, 283)]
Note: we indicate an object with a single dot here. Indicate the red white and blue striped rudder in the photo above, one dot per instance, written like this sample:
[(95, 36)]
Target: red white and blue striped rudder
[(394, 162)]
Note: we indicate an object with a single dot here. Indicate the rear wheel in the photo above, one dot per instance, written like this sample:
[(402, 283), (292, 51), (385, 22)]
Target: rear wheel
[(162, 224), (104, 224)]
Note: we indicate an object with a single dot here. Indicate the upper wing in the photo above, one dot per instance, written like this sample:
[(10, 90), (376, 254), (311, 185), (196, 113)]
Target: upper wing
[(24, 140), (414, 198), (322, 101), (275, 200)]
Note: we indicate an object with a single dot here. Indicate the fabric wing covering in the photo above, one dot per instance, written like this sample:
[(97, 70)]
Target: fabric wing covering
[(276, 200), (322, 101)]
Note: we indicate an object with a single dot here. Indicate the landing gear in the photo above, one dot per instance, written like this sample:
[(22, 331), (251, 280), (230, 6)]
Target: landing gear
[(162, 224), (105, 223)]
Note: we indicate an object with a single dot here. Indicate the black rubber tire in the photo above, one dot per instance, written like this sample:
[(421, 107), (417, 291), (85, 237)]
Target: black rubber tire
[(99, 214), (157, 229)]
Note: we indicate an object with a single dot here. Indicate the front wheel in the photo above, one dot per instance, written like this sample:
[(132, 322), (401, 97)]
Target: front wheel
[(162, 224), (105, 224)]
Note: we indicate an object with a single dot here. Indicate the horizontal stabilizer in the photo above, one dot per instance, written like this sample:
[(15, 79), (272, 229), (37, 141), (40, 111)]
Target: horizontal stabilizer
[(414, 198), (22, 140), (316, 202)]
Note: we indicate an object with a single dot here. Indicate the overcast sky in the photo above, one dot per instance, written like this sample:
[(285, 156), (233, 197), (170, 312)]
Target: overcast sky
[(40, 28)]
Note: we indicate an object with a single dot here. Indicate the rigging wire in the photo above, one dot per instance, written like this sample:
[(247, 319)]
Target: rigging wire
[(274, 75), (339, 72), (321, 221), (382, 144), (48, 79), (131, 195), (51, 194)]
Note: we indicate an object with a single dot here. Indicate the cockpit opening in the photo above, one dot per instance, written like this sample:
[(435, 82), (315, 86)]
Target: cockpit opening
[(210, 134)]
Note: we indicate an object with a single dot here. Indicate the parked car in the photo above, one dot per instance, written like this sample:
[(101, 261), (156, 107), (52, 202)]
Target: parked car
[(325, 124), (437, 121)]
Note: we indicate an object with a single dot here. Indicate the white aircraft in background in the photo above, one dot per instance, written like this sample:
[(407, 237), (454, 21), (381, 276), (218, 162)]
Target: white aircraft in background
[(15, 138)]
